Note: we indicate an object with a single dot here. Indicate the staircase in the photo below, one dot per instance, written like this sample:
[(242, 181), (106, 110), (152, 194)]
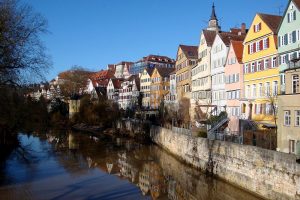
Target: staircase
[(216, 126)]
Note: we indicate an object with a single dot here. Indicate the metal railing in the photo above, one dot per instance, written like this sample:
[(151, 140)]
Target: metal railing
[(234, 137)]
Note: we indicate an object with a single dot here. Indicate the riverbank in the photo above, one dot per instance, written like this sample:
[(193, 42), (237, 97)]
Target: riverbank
[(270, 174)]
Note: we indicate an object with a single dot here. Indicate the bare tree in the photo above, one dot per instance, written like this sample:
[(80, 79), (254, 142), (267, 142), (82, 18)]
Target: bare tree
[(22, 55), (74, 81), (184, 111)]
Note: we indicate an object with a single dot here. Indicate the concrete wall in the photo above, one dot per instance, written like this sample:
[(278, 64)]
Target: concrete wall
[(271, 174)]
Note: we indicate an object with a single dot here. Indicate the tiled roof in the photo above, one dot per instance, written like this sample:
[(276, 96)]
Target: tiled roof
[(103, 74), (189, 51), (165, 72), (157, 58), (117, 83), (273, 21), (238, 49), (227, 37), (209, 37), (149, 70), (297, 3), (125, 63)]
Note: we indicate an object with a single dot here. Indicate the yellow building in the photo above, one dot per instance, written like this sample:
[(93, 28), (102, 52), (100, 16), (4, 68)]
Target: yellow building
[(160, 85), (186, 58), (261, 73)]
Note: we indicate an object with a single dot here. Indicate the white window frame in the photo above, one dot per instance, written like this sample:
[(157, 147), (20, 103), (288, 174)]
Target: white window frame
[(287, 118)]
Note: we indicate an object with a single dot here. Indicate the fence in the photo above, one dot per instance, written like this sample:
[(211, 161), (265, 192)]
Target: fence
[(266, 139)]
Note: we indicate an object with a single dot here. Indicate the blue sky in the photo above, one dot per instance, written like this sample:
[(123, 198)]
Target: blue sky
[(94, 33)]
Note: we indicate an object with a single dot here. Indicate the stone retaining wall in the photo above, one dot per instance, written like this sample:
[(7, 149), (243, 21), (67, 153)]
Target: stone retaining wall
[(270, 174)]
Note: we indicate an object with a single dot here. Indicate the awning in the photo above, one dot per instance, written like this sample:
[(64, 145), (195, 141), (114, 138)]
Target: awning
[(266, 125)]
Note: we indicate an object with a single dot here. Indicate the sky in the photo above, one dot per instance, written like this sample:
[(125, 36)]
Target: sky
[(94, 33)]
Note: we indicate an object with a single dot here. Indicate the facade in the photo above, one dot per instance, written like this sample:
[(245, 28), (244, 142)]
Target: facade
[(261, 73), (122, 69), (113, 89), (186, 58), (151, 61), (201, 73), (234, 85), (171, 97), (289, 38), (145, 87), (129, 92), (160, 85), (288, 140), (219, 53)]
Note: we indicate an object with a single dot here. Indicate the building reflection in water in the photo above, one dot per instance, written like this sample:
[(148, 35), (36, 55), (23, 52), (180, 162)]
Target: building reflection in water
[(155, 172)]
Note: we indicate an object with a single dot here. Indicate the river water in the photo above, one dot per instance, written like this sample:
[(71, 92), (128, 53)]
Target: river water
[(71, 166)]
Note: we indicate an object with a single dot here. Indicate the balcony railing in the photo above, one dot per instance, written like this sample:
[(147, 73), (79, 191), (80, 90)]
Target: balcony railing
[(294, 64)]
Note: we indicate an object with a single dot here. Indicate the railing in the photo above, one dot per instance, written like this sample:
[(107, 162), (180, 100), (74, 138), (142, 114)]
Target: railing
[(234, 137)]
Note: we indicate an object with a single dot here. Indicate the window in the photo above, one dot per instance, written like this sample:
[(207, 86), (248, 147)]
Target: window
[(252, 67), (248, 91), (251, 46), (266, 64), (246, 68), (297, 118), (258, 65), (254, 90), (260, 89), (275, 88), (295, 84), (257, 27), (265, 43), (292, 146), (283, 59), (273, 62), (267, 89), (287, 117)]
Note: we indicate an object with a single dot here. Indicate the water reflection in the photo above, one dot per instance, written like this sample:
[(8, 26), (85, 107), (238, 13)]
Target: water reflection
[(98, 167)]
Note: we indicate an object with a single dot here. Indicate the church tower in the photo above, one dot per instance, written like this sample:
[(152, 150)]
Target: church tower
[(213, 22)]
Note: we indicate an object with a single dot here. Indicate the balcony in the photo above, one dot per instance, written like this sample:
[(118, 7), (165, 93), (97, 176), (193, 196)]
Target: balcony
[(293, 64)]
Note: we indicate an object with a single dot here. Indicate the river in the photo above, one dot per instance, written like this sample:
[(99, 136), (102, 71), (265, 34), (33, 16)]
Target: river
[(67, 165)]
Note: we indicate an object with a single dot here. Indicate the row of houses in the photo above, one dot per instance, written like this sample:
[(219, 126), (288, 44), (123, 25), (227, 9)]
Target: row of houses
[(249, 73)]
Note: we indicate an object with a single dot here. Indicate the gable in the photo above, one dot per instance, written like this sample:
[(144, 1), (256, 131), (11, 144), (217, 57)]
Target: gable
[(285, 26), (264, 29)]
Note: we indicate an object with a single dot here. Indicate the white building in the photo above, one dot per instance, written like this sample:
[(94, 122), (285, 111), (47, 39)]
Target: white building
[(129, 92), (122, 70)]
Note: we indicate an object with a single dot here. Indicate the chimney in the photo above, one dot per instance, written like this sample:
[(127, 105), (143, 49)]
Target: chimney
[(243, 28)]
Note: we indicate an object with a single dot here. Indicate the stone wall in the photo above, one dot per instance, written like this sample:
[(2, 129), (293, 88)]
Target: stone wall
[(271, 174)]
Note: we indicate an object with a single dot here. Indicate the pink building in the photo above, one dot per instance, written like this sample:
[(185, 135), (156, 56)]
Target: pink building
[(234, 84)]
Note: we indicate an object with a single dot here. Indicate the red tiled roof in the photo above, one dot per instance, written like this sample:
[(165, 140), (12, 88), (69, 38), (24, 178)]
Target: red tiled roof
[(117, 83), (157, 58), (100, 83), (272, 21), (189, 51), (238, 49), (165, 72), (227, 37), (297, 3), (103, 74), (209, 37)]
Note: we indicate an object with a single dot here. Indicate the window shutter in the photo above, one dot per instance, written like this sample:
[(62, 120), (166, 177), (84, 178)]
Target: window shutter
[(294, 36), (249, 49), (254, 47), (259, 26), (270, 63), (294, 14), (261, 45), (268, 42), (255, 67), (254, 29), (262, 65), (279, 41), (285, 39)]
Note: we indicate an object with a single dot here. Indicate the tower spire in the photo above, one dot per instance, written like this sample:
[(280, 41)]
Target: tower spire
[(213, 13), (213, 21)]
